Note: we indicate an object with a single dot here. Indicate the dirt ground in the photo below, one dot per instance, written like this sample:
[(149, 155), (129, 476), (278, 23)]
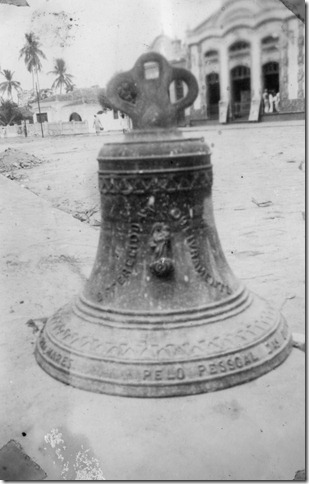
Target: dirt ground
[(46, 256), (258, 192)]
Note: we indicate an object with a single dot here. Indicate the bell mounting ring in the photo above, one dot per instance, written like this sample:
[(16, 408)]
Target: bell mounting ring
[(143, 92), (162, 313)]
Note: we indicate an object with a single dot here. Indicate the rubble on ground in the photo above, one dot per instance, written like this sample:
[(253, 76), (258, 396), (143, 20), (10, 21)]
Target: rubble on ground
[(12, 159)]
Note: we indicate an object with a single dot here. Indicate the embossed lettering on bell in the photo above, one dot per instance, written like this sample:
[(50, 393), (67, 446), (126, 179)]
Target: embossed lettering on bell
[(162, 313)]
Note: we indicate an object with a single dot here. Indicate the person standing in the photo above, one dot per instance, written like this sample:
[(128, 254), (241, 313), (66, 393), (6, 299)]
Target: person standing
[(266, 101), (271, 101), (277, 102), (97, 125)]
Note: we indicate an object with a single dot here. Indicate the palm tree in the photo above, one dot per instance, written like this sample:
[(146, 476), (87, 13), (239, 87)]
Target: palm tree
[(9, 84), (63, 78), (32, 53), (9, 113)]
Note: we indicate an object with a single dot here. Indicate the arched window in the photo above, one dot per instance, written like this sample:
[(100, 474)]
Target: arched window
[(240, 72), (269, 43), (75, 117), (271, 68), (270, 39), (211, 56), (212, 78), (211, 53), (240, 45)]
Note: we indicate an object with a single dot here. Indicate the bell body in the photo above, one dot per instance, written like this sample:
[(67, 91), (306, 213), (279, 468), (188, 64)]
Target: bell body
[(162, 314)]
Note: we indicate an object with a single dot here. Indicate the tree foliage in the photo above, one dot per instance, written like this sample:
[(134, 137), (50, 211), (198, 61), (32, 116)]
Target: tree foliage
[(63, 78), (9, 113), (32, 53), (7, 86)]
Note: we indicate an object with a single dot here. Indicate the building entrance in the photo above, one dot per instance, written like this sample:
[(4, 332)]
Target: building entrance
[(271, 77), (212, 95), (241, 92), (75, 117)]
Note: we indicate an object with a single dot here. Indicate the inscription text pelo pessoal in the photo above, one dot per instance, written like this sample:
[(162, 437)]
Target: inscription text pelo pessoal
[(134, 242), (186, 371)]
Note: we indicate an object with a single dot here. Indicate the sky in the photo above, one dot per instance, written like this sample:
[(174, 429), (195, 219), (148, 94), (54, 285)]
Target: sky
[(96, 38)]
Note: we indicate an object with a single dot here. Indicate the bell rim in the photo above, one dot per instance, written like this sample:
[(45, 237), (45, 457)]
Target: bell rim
[(137, 389)]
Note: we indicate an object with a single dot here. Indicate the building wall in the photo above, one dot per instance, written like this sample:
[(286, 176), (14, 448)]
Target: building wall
[(176, 53), (292, 72), (60, 112), (250, 21)]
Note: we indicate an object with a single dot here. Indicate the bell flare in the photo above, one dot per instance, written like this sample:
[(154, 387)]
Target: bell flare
[(163, 354)]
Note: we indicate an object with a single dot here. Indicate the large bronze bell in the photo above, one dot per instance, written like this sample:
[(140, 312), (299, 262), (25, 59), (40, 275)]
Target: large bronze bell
[(162, 313)]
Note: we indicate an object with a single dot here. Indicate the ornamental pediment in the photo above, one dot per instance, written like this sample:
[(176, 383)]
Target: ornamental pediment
[(235, 13)]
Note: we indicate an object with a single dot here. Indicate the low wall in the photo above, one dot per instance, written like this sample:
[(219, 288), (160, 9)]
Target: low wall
[(49, 129), (72, 127)]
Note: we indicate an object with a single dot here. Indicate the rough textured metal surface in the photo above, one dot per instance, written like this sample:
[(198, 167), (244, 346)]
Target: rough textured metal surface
[(162, 314)]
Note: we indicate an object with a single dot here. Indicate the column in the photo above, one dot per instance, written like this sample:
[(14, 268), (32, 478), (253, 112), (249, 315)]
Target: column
[(224, 74), (256, 69), (224, 83), (196, 72), (293, 61), (300, 61), (201, 81)]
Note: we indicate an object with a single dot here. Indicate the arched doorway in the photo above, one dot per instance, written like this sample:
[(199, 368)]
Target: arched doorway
[(212, 95), (240, 95), (75, 117), (271, 77)]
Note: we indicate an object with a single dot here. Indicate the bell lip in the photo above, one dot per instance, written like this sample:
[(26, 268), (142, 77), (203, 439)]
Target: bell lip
[(156, 389)]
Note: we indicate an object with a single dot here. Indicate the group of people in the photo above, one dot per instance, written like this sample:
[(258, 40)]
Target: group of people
[(271, 101)]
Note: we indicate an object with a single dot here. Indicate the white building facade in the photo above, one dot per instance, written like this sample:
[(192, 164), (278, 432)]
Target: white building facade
[(242, 49), (74, 112)]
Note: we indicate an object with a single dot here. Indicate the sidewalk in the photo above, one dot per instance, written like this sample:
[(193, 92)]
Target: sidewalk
[(248, 125), (253, 431)]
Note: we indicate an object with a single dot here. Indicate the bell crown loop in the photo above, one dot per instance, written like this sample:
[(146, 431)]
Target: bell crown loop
[(143, 92)]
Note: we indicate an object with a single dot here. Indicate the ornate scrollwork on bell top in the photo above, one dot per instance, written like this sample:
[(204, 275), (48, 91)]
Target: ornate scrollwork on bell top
[(162, 313)]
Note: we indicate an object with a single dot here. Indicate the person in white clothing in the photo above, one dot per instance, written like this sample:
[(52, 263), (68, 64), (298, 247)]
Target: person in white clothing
[(277, 102), (97, 124), (265, 101), (271, 101)]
